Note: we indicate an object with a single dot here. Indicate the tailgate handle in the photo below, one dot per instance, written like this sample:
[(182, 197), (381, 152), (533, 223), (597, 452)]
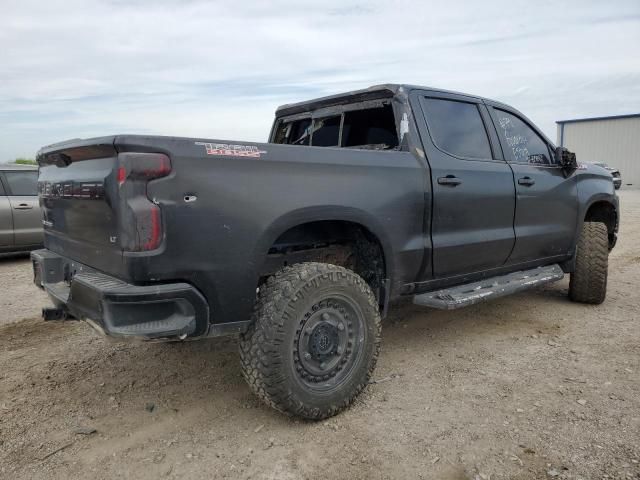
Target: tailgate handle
[(449, 180), (23, 206), (526, 181)]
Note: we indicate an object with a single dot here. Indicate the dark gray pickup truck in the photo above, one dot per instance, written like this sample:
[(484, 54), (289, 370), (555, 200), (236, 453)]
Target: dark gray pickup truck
[(300, 244)]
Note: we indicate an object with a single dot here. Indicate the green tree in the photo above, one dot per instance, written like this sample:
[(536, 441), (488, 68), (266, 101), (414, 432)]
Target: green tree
[(25, 161)]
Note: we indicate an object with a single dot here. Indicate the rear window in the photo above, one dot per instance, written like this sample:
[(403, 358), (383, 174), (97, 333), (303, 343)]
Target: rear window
[(457, 128), (373, 126), (294, 133), (22, 183), (370, 128), (326, 132)]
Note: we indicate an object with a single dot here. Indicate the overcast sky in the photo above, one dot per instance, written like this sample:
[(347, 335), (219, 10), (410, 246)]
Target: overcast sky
[(81, 68)]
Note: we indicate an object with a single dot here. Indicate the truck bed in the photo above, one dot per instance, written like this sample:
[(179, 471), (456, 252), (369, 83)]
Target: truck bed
[(222, 205)]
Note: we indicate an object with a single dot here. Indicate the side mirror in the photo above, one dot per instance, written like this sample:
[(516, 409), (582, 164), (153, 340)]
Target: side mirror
[(566, 159)]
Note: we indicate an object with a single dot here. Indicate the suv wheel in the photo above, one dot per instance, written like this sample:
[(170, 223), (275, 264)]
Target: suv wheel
[(588, 282), (314, 341)]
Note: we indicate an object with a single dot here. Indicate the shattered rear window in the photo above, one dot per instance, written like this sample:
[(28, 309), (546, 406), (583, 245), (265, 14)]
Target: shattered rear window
[(326, 132), (372, 128), (294, 133)]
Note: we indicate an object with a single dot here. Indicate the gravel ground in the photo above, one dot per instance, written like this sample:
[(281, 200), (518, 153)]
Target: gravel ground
[(18, 297), (531, 386)]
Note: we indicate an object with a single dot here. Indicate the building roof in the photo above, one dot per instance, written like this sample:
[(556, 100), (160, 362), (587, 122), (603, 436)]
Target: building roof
[(591, 119)]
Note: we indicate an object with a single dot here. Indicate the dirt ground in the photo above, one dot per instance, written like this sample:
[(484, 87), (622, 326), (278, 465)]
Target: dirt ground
[(526, 387)]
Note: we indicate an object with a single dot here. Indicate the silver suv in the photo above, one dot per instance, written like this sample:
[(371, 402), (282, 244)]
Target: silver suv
[(20, 215)]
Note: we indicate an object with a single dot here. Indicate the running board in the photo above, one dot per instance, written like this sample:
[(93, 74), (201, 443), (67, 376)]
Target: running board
[(494, 287)]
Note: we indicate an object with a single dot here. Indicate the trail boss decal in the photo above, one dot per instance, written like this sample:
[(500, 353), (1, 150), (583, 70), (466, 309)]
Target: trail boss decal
[(232, 150)]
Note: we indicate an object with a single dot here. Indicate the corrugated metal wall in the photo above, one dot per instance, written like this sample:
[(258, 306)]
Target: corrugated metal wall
[(614, 141)]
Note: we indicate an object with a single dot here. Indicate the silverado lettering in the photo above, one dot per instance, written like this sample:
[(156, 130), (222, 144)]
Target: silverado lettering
[(71, 189)]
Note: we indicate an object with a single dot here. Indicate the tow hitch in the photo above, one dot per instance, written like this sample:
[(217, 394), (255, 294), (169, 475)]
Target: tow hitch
[(51, 314)]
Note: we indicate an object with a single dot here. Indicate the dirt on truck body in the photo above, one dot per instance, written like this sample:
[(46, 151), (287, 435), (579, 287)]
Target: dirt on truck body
[(300, 244)]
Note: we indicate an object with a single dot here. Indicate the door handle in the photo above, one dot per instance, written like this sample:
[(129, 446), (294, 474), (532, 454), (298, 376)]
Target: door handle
[(23, 206), (526, 181), (449, 180)]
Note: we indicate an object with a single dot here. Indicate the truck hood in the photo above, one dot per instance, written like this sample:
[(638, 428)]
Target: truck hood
[(595, 170)]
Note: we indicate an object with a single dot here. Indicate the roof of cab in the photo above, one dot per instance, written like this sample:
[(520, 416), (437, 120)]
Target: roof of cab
[(386, 90)]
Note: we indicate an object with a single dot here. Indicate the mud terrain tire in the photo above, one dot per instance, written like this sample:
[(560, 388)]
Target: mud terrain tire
[(314, 340), (588, 282)]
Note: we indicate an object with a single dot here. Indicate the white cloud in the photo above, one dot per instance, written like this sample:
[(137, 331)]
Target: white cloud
[(218, 69)]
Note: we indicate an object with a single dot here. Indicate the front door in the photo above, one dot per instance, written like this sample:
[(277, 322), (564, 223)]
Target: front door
[(546, 197), (473, 191)]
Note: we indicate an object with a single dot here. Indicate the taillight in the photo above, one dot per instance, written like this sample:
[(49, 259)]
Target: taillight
[(141, 219)]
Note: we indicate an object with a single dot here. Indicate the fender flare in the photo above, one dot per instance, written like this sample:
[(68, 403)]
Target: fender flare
[(584, 207), (324, 213)]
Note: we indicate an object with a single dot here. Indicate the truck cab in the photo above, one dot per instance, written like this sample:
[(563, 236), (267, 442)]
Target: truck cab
[(497, 195)]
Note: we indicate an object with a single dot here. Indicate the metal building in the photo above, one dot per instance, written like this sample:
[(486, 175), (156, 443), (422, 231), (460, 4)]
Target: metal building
[(613, 140)]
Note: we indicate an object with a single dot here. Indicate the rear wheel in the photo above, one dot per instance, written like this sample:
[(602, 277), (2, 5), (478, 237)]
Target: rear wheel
[(588, 282), (314, 341)]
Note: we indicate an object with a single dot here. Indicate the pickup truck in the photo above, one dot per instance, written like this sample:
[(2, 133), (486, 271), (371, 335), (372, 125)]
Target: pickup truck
[(300, 244)]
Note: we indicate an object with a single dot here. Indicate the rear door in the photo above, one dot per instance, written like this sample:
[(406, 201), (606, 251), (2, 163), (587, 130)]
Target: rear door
[(6, 218), (473, 190), (22, 186), (546, 198)]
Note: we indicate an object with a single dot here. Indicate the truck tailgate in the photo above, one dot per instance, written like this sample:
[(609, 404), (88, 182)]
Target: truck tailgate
[(79, 199)]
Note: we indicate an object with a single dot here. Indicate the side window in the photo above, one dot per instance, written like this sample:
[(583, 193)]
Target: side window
[(22, 183), (326, 132), (457, 128), (525, 144), (2, 192)]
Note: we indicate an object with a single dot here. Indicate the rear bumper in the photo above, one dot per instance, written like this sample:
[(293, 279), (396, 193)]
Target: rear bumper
[(117, 308)]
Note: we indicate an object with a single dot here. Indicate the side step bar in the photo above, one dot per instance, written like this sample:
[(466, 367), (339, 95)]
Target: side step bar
[(495, 287)]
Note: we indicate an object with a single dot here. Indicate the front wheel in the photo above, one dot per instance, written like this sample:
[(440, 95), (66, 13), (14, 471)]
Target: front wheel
[(588, 282), (314, 340)]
